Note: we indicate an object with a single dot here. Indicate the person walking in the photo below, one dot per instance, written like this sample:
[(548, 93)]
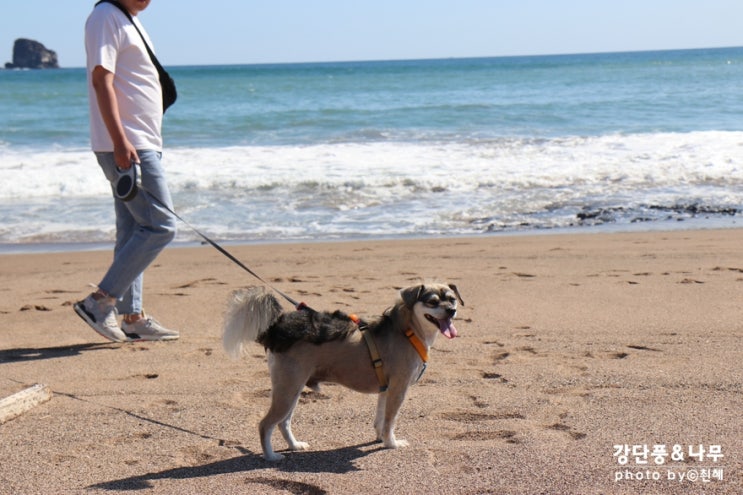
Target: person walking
[(126, 110)]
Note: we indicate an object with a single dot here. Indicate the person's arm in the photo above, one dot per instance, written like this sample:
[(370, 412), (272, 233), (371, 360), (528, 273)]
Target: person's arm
[(103, 84)]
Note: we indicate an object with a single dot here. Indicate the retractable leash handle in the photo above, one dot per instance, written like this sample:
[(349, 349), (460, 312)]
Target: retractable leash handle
[(130, 180)]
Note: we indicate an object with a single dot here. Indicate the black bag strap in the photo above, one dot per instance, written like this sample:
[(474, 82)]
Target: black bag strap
[(129, 16)]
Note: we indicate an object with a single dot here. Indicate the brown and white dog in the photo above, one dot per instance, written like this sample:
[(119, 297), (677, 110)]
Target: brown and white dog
[(306, 347)]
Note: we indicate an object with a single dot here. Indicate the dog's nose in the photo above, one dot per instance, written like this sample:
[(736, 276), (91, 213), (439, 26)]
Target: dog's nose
[(451, 312)]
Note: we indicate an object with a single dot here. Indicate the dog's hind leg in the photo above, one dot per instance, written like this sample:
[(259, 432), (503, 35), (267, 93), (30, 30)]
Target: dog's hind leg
[(285, 427), (280, 413), (286, 388)]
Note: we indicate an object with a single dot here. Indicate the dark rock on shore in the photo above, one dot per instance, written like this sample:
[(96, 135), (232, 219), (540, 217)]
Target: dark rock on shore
[(649, 213), (30, 54)]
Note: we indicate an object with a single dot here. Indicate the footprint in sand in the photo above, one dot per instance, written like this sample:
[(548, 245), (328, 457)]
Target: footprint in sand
[(481, 436), (34, 307), (145, 376), (262, 393), (690, 281), (196, 456), (620, 354), (524, 275), (500, 356), (617, 355), (567, 429), (200, 282), (643, 348), (468, 417), (312, 396), (494, 376)]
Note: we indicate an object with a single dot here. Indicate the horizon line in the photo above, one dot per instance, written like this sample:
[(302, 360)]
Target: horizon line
[(473, 57)]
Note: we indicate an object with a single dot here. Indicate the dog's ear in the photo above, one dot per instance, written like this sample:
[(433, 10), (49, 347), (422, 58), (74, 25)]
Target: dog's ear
[(410, 295), (456, 291)]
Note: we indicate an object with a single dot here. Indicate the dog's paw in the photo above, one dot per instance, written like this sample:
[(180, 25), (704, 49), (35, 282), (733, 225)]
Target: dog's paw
[(396, 443), (300, 446)]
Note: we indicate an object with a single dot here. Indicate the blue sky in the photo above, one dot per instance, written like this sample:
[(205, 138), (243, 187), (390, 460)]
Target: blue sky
[(250, 31)]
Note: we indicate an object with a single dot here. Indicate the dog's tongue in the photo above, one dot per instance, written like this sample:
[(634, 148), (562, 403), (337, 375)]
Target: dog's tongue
[(447, 328)]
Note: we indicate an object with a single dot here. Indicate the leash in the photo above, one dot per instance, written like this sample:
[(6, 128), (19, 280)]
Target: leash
[(296, 304)]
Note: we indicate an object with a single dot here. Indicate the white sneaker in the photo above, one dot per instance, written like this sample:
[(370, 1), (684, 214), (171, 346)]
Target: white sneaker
[(101, 316), (148, 328)]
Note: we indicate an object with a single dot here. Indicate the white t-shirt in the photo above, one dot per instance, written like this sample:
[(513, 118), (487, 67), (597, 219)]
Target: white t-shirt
[(112, 42)]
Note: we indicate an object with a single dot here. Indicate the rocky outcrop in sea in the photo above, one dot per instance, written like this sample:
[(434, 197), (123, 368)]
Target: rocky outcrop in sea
[(30, 54)]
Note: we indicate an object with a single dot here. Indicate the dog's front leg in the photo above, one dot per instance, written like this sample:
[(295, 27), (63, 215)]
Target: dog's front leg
[(379, 418), (391, 404)]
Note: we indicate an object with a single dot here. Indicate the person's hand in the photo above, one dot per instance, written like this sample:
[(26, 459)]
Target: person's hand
[(125, 155)]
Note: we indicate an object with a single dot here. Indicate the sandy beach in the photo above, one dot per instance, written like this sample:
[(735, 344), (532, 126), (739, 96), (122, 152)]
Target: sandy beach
[(570, 345)]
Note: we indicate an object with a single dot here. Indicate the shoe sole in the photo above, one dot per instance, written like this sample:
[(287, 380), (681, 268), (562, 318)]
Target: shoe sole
[(88, 318), (133, 337)]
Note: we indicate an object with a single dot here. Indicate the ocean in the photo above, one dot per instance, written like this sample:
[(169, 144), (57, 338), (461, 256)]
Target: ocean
[(391, 149)]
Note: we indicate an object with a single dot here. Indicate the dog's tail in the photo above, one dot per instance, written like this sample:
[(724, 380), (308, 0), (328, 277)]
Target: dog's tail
[(250, 313)]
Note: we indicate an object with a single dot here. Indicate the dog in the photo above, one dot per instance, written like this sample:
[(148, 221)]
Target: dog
[(307, 347)]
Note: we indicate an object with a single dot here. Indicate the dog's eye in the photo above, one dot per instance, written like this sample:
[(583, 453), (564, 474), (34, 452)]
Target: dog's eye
[(432, 301)]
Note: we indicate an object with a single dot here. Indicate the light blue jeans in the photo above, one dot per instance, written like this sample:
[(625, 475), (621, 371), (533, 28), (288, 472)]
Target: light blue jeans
[(143, 229)]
